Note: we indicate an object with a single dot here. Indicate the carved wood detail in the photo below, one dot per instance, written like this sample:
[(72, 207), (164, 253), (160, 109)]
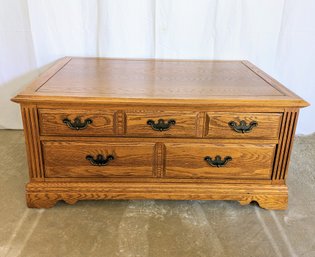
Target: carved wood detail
[(33, 145), (284, 147), (46, 194), (123, 98), (120, 123), (159, 160), (279, 202), (201, 124)]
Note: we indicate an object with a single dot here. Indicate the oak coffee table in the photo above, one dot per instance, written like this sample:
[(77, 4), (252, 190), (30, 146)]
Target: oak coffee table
[(157, 129)]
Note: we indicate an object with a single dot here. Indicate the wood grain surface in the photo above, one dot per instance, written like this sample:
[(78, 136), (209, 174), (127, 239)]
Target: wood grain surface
[(151, 79), (121, 95), (45, 195), (33, 147), (132, 81), (268, 125), (248, 161), (185, 123), (282, 158), (68, 159), (51, 122)]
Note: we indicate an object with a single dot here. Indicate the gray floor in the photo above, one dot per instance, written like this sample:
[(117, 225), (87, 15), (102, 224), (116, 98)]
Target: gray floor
[(155, 228)]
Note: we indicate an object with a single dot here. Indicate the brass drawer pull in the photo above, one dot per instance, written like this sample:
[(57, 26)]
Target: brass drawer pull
[(218, 162), (77, 124), (161, 125), (100, 160), (243, 127)]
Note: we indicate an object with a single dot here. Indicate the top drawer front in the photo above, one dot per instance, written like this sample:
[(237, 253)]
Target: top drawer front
[(162, 124), (75, 122), (243, 125)]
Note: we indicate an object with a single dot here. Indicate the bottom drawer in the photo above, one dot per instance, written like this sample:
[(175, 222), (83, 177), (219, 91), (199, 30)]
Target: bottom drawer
[(219, 161), (102, 159)]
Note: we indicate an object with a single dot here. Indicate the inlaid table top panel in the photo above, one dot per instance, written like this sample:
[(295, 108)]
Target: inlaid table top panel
[(158, 80)]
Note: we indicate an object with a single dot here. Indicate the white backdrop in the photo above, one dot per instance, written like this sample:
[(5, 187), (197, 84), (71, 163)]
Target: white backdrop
[(276, 35)]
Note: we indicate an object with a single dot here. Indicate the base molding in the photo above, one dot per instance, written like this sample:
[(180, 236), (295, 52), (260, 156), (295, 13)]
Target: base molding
[(47, 194)]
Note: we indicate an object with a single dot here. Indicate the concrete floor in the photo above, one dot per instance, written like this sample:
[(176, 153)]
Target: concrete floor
[(155, 228)]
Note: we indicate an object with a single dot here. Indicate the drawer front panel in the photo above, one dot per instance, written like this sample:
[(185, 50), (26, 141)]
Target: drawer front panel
[(243, 125), (76, 122), (227, 161), (85, 159), (162, 124)]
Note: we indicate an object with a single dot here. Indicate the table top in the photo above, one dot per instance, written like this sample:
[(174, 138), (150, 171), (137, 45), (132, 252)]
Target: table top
[(157, 81)]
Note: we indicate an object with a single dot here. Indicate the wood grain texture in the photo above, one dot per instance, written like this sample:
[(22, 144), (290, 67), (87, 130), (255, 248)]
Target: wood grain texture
[(284, 147), (153, 107), (121, 95), (45, 76), (166, 140), (248, 161), (268, 125), (45, 195), (33, 149), (120, 123), (159, 160), (185, 123), (51, 122), (68, 159), (271, 81), (201, 124), (116, 78), (130, 81)]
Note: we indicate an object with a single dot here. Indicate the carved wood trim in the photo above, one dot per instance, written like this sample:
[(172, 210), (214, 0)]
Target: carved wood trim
[(159, 160), (46, 194), (201, 124), (33, 146), (294, 119), (286, 137), (120, 123), (206, 125)]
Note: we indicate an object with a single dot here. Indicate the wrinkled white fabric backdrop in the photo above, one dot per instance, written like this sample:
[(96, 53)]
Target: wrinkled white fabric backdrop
[(276, 35)]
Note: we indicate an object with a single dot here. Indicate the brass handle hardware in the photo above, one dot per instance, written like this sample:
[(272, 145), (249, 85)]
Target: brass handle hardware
[(100, 160), (217, 162), (77, 124), (161, 125), (243, 127)]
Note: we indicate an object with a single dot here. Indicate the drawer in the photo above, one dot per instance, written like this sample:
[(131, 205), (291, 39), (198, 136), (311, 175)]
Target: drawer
[(243, 125), (104, 159), (162, 124), (231, 161), (76, 122)]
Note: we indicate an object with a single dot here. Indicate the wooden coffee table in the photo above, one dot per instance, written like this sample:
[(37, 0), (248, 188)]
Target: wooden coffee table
[(157, 129)]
